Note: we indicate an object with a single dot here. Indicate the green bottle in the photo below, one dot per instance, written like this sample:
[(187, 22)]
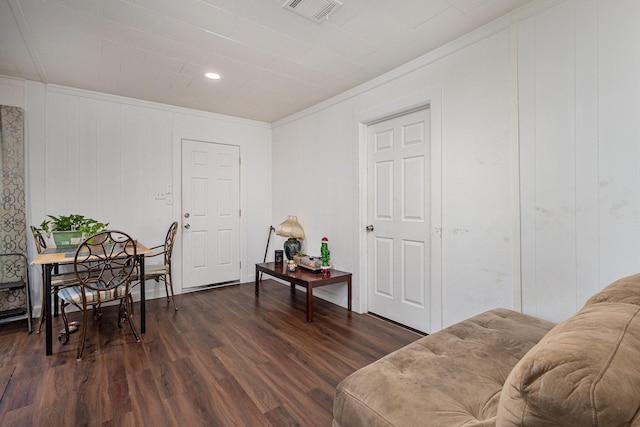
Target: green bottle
[(325, 254)]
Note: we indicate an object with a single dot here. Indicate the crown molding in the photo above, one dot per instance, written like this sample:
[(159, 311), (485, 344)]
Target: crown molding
[(65, 90)]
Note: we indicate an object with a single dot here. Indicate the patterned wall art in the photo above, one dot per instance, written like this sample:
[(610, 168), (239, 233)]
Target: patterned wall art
[(13, 233)]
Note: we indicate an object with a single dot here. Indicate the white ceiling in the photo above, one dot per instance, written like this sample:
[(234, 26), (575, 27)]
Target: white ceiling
[(273, 62)]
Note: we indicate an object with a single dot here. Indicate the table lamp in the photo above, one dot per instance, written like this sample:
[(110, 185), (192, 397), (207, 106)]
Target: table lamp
[(291, 229)]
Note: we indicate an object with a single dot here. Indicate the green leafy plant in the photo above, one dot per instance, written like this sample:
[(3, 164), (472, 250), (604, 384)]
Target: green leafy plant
[(74, 222)]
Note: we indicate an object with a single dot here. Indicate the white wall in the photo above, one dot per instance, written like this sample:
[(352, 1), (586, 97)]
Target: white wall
[(321, 151), (12, 92), (106, 156), (539, 125), (579, 75)]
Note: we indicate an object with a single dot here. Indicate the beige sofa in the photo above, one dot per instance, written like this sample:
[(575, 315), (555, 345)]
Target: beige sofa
[(509, 369)]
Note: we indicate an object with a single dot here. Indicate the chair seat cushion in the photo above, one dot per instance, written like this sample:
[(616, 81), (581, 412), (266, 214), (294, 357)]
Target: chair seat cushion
[(58, 280), (73, 294), (152, 271), (155, 270)]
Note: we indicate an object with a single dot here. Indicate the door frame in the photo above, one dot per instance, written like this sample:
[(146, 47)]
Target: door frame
[(177, 209), (431, 98)]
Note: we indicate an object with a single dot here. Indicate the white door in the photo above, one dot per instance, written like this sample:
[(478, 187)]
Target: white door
[(398, 208), (211, 213)]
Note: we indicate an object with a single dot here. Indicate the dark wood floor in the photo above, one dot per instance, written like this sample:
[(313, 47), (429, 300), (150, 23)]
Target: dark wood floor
[(226, 358)]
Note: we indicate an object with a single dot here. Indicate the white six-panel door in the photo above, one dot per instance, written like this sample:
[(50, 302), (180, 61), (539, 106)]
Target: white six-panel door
[(211, 213), (398, 208)]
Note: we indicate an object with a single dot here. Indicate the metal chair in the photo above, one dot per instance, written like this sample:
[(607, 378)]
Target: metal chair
[(104, 265), (58, 280), (14, 279), (162, 271)]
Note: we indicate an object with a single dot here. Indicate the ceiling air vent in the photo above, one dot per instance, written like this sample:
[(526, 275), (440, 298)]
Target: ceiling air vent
[(316, 10)]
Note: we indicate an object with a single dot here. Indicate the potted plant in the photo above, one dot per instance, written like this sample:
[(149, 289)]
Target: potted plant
[(68, 230)]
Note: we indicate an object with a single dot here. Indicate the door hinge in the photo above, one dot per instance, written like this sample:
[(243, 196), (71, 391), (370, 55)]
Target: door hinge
[(239, 212)]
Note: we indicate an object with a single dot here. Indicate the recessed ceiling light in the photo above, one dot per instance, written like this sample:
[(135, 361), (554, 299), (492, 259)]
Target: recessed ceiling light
[(212, 76)]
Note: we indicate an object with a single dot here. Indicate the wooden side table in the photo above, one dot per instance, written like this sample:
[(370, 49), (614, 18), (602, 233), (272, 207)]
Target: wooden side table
[(307, 278)]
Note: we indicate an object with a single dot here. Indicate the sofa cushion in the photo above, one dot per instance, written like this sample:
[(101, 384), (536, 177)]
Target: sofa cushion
[(626, 290), (584, 372), (451, 377)]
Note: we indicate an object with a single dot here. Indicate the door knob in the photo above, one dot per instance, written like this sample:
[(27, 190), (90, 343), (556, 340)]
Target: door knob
[(369, 227), (186, 215), (187, 226)]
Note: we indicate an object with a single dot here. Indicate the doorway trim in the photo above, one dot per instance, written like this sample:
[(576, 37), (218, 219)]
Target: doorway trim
[(431, 98)]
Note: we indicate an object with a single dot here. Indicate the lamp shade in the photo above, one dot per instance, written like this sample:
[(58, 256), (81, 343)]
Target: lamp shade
[(290, 228)]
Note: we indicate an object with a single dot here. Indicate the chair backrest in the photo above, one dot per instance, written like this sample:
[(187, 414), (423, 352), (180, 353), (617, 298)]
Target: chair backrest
[(41, 244), (104, 263), (169, 241)]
